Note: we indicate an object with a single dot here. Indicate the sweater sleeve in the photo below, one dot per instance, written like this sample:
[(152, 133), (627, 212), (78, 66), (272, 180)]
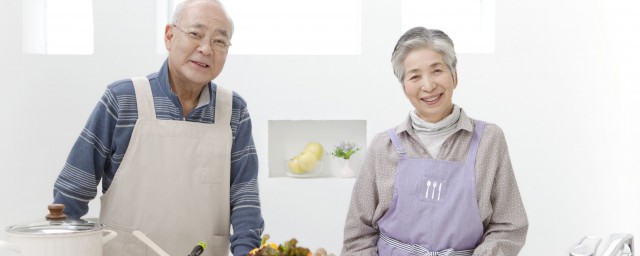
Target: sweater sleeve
[(77, 183), (361, 229), (246, 216), (507, 226)]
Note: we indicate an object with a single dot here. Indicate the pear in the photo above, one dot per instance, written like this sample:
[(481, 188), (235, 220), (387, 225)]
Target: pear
[(294, 166), (307, 161), (315, 148)]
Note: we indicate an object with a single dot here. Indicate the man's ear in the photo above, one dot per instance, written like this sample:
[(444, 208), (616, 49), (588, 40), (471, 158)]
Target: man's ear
[(168, 35)]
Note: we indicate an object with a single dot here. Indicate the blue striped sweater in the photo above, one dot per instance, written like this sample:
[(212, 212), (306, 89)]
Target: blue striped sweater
[(101, 146)]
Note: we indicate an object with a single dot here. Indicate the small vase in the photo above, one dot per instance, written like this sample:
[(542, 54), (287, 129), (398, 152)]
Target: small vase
[(346, 172)]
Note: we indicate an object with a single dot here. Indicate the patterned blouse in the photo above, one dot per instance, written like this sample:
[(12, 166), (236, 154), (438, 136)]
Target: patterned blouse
[(501, 208)]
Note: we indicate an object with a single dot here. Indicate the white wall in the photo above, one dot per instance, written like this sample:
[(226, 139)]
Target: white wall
[(563, 92)]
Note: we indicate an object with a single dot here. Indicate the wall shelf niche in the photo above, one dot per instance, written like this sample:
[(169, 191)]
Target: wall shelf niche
[(288, 138)]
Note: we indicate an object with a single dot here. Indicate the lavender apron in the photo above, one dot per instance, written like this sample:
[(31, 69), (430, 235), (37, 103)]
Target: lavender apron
[(434, 210)]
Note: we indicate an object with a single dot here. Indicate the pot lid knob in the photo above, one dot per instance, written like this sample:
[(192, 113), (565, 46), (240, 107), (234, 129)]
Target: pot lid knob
[(56, 212)]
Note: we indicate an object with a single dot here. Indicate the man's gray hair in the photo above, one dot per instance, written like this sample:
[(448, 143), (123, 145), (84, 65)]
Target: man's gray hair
[(177, 13), (420, 37)]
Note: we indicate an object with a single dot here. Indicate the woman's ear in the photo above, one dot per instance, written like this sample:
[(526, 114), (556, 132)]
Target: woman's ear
[(455, 80)]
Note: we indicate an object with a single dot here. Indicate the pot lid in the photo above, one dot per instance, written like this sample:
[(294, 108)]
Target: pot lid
[(55, 227), (56, 223)]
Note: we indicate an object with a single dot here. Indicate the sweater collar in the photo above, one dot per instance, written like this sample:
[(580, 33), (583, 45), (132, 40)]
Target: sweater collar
[(464, 123), (163, 78), (448, 123)]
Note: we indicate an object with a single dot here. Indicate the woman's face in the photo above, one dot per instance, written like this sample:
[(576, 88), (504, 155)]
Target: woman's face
[(428, 84)]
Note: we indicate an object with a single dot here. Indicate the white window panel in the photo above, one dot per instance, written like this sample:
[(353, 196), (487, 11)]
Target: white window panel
[(623, 33), (58, 27), (164, 8), (469, 23), (621, 36), (292, 27)]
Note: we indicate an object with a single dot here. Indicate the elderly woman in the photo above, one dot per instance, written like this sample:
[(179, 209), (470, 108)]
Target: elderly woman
[(440, 183)]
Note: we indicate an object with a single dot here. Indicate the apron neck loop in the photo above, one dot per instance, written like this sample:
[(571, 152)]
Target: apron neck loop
[(396, 142), (144, 98), (475, 141), (224, 103)]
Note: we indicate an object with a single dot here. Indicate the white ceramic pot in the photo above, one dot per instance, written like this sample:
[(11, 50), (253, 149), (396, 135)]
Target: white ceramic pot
[(57, 238)]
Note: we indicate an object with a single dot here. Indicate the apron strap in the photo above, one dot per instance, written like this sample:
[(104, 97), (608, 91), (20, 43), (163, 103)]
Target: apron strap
[(144, 98), (396, 142), (416, 249), (475, 141), (224, 105)]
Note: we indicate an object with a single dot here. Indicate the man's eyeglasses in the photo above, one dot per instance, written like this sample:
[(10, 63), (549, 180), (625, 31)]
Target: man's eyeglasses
[(218, 44)]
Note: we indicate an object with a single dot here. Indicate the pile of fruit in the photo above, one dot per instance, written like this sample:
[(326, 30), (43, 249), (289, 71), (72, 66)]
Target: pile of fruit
[(306, 161), (288, 248)]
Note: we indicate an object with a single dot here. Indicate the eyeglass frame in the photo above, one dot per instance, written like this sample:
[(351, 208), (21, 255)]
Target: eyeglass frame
[(212, 42)]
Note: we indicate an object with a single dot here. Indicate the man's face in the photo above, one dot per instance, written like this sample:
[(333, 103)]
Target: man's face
[(193, 59)]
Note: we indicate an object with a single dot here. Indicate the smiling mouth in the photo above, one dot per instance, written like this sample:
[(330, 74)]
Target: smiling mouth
[(432, 99), (200, 64)]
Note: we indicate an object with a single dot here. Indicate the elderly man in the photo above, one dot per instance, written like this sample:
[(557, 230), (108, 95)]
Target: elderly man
[(174, 151)]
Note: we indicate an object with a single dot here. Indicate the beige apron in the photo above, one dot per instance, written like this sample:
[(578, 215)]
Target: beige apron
[(173, 183)]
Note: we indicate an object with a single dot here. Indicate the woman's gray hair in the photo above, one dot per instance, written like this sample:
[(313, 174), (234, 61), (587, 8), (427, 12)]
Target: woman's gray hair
[(177, 13), (420, 37)]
